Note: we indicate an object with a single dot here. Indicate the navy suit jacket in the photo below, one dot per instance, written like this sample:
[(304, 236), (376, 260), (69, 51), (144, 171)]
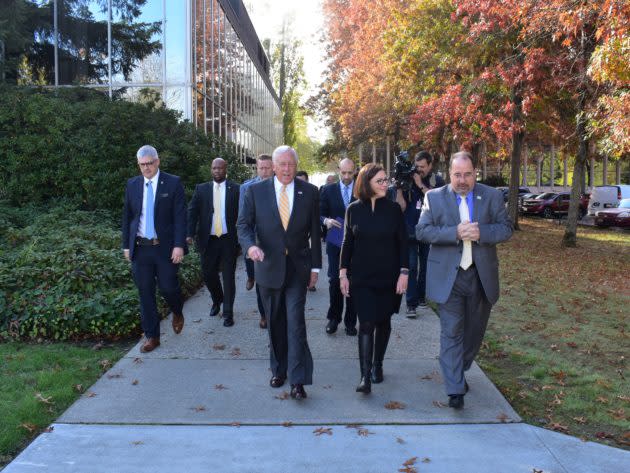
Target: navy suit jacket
[(169, 214), (259, 224), (201, 211), (331, 202)]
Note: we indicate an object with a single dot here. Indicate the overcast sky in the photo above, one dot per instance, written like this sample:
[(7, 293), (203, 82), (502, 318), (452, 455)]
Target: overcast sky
[(306, 20)]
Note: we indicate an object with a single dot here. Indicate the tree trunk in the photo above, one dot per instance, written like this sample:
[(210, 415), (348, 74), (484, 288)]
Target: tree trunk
[(518, 136), (570, 234)]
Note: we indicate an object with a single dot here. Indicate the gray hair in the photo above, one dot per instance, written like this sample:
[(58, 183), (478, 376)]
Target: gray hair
[(284, 149), (147, 151)]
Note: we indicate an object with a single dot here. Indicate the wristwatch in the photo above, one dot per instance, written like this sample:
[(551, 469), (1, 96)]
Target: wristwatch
[(404, 271)]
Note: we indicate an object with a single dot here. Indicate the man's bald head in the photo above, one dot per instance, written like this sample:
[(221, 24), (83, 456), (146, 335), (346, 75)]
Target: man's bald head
[(346, 171), (219, 169)]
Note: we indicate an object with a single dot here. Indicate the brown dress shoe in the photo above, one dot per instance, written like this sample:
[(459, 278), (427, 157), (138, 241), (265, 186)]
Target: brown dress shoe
[(150, 345), (263, 322), (249, 284), (178, 322)]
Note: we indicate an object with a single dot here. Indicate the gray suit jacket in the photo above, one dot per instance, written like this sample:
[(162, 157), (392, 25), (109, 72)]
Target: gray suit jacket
[(259, 224), (438, 226)]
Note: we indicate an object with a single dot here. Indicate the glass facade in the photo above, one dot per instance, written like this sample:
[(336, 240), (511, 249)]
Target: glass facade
[(201, 57)]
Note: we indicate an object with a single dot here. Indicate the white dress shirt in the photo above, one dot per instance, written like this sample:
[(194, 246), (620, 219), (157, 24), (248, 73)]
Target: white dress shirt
[(215, 186), (142, 227)]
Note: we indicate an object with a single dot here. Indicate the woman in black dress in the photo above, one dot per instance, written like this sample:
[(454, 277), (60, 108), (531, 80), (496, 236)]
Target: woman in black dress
[(373, 267)]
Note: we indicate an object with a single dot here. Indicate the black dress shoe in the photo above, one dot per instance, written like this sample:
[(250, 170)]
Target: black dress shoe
[(277, 381), (466, 386), (297, 392), (456, 401), (216, 308), (351, 331), (228, 322), (331, 327)]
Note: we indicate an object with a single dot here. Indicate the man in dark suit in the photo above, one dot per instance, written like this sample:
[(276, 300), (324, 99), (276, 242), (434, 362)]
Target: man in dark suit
[(212, 215), (463, 222), (154, 240), (334, 199), (278, 220)]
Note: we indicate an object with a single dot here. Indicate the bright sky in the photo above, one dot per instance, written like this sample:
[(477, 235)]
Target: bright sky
[(307, 23)]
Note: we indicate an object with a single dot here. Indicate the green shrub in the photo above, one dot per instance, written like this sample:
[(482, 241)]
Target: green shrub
[(77, 144), (62, 275)]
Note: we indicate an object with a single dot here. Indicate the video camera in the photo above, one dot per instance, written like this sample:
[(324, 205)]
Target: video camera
[(404, 169)]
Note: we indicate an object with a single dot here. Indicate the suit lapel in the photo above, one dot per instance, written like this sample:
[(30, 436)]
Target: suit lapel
[(158, 189), (477, 202), (140, 191), (298, 197), (452, 206), (271, 194)]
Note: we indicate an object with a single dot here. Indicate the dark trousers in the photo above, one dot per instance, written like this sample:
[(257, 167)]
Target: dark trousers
[(463, 320), (220, 256), (335, 309), (289, 354), (249, 268), (416, 288), (150, 266)]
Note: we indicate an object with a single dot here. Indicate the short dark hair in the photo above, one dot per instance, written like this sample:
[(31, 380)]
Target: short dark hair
[(302, 173), (263, 157), (362, 189), (465, 155), (420, 155)]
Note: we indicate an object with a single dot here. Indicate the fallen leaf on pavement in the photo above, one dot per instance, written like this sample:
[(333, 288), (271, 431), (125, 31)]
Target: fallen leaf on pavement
[(135, 382), (236, 352), (283, 397), (426, 460), (503, 417), (138, 360), (235, 424), (399, 440), (198, 408), (364, 432), (323, 430), (219, 387), (408, 466), (137, 442), (218, 347), (439, 404), (196, 321), (49, 429), (559, 427), (112, 376), (391, 405), (287, 424)]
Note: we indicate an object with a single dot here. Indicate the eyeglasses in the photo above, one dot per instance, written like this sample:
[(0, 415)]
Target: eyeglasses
[(382, 181), (466, 175), (147, 164)]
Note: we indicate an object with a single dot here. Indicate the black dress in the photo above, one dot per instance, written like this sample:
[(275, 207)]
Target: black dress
[(373, 251)]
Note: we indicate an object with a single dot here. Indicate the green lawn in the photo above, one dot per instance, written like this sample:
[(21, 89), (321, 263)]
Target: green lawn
[(39, 381), (558, 341)]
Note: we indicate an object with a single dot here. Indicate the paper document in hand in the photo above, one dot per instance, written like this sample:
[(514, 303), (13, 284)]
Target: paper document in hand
[(334, 235)]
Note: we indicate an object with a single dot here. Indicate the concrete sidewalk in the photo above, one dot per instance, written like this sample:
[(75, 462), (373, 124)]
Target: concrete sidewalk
[(201, 402)]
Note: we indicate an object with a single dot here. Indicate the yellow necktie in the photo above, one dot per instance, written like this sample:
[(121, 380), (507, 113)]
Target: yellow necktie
[(283, 207), (464, 216), (217, 220)]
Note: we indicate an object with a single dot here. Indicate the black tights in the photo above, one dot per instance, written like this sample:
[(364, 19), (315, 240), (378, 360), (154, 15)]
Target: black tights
[(368, 328)]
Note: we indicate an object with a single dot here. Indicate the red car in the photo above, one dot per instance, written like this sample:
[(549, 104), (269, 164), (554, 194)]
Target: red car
[(551, 204), (615, 217)]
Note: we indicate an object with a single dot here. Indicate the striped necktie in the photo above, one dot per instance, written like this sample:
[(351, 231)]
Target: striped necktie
[(283, 207), (464, 216), (346, 195)]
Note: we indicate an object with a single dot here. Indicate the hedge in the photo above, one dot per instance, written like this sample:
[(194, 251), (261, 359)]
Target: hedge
[(77, 144), (62, 275)]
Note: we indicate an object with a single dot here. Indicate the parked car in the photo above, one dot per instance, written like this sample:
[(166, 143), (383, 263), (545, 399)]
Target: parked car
[(506, 192), (614, 217), (607, 197), (552, 204), (524, 197)]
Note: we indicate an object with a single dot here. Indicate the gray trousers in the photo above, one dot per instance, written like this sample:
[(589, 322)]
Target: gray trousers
[(289, 355), (463, 320)]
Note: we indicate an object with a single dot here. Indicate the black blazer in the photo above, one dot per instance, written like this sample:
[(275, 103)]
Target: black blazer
[(259, 224), (331, 202), (201, 210), (169, 214)]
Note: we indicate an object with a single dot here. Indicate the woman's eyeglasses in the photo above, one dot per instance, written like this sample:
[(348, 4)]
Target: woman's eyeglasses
[(382, 181)]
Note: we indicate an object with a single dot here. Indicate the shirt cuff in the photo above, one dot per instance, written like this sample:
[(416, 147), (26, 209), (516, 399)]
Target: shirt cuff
[(315, 270)]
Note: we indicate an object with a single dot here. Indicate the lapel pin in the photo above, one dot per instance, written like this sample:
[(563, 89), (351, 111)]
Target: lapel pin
[(299, 192), (478, 197)]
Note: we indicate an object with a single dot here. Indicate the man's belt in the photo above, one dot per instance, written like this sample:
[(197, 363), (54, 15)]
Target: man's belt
[(147, 241)]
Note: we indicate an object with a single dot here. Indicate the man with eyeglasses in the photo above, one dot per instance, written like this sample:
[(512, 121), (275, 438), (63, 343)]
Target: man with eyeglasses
[(463, 222), (154, 241)]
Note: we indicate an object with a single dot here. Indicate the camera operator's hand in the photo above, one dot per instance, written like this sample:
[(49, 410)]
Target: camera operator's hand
[(400, 199), (331, 222), (417, 178)]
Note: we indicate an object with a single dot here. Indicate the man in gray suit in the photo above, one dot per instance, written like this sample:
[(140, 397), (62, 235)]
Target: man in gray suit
[(463, 222), (277, 221)]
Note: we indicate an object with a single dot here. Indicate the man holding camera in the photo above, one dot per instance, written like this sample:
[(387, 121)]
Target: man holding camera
[(411, 201)]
